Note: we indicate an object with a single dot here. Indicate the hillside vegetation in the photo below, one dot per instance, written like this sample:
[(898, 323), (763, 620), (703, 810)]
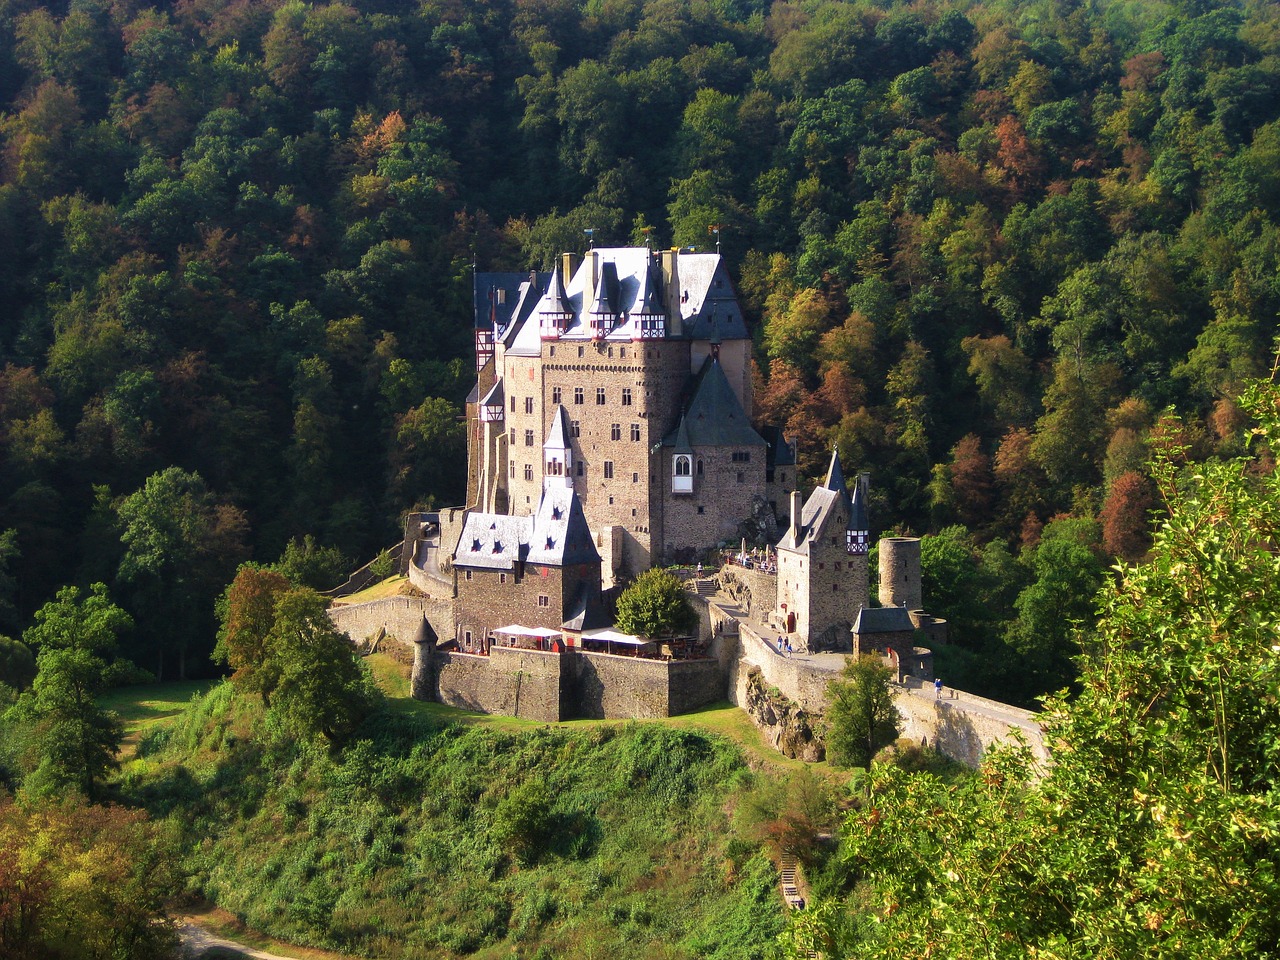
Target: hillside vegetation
[(427, 839)]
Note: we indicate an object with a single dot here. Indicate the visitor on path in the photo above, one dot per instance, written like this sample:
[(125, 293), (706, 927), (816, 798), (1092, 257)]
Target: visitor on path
[(937, 687), (779, 643), (699, 569), (788, 648)]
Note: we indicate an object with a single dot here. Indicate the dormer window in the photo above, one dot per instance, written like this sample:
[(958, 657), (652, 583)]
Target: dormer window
[(475, 546), (497, 546), (555, 513)]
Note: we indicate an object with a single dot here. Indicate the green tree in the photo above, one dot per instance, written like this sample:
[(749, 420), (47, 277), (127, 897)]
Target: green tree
[(1153, 832), (181, 545), (322, 688), (861, 717), (69, 740), (655, 605)]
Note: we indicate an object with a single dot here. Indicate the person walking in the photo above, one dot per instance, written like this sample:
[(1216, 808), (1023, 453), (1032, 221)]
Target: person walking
[(937, 687)]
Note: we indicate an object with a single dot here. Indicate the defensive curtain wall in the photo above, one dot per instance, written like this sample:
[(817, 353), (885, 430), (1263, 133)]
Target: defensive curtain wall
[(544, 685), (549, 686), (958, 725)]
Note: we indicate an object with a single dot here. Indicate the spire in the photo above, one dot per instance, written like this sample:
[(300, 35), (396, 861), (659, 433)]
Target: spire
[(858, 536), (554, 312), (835, 475)]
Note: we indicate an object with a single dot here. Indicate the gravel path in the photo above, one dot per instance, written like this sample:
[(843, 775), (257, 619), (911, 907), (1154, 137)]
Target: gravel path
[(197, 941)]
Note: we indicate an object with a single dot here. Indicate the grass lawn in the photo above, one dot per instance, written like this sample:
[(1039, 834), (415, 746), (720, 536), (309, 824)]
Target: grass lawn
[(390, 587), (147, 705)]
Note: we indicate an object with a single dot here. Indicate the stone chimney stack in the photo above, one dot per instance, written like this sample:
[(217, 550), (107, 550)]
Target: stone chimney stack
[(568, 267), (795, 516)]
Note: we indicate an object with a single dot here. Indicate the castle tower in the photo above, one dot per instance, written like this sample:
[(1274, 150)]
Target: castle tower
[(822, 565), (900, 573)]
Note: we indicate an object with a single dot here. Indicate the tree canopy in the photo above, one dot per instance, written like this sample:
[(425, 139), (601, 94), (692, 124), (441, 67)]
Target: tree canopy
[(655, 605)]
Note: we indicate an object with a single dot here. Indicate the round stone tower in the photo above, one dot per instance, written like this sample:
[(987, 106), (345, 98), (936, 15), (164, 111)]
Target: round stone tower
[(900, 573)]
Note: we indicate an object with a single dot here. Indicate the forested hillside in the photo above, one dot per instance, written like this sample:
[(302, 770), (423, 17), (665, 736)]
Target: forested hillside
[(985, 245)]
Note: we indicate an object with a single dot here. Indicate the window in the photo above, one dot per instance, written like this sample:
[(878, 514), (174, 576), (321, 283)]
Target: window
[(822, 566), (578, 394), (513, 470), (835, 587), (582, 471), (700, 509), (624, 353), (615, 432), (742, 456), (502, 578), (528, 438), (626, 396), (553, 350), (741, 479), (635, 478), (555, 395), (513, 436), (575, 428), (837, 564), (608, 469), (699, 468), (635, 432), (580, 351), (611, 353), (599, 396), (528, 404), (513, 403), (468, 574), (528, 471), (682, 467), (544, 600)]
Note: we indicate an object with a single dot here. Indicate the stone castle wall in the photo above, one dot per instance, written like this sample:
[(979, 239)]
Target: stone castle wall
[(558, 686), (964, 728), (398, 616), (511, 682)]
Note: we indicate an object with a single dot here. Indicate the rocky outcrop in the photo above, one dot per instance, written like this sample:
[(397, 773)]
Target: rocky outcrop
[(786, 726)]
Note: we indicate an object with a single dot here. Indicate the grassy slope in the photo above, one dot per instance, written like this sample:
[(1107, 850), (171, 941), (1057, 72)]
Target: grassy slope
[(447, 833)]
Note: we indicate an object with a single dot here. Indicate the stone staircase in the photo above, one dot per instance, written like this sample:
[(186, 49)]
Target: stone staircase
[(787, 871), (704, 586)]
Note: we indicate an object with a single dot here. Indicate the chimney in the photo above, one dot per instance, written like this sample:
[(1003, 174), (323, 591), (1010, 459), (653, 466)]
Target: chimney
[(568, 267), (671, 277), (795, 517)]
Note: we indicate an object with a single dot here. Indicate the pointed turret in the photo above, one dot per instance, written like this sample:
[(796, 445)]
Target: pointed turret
[(835, 475), (554, 313), (557, 452), (651, 320), (858, 537)]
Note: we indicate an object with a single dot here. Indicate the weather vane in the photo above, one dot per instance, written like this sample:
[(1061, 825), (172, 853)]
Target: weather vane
[(715, 228)]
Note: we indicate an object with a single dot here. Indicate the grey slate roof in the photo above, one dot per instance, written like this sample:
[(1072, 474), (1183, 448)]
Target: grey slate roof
[(813, 518), (583, 614), (883, 620), (492, 541), (556, 536), (558, 435), (490, 314), (560, 536), (781, 452), (495, 396), (858, 519), (713, 416)]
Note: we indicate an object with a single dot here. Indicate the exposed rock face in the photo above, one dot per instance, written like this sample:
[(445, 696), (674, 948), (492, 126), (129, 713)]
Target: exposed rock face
[(761, 528), (786, 726)]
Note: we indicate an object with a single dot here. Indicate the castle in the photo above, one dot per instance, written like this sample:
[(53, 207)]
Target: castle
[(608, 432)]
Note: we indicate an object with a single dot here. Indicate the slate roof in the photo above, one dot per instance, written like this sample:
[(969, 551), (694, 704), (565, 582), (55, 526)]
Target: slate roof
[(813, 517), (558, 435), (858, 519), (560, 536), (556, 536), (585, 615), (495, 397), (883, 620), (629, 284), (492, 541), (713, 416), (781, 452), (496, 296)]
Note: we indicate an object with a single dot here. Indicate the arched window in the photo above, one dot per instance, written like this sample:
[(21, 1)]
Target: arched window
[(681, 474)]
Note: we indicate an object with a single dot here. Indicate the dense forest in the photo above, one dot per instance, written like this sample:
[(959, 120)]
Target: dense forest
[(984, 245)]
